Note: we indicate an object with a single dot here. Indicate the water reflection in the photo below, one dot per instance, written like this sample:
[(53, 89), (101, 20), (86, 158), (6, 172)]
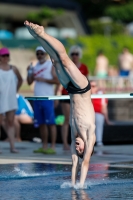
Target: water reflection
[(98, 171), (33, 180), (80, 195)]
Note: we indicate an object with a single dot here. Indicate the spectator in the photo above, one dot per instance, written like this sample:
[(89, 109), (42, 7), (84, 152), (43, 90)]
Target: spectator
[(125, 65), (23, 115), (125, 62), (44, 76), (101, 69), (113, 81), (75, 54), (102, 63), (101, 113), (10, 82)]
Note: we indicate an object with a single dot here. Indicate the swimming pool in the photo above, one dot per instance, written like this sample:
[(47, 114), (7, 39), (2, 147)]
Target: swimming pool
[(38, 181)]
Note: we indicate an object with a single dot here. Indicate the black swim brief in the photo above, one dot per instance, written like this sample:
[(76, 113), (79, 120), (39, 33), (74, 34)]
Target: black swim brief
[(71, 89)]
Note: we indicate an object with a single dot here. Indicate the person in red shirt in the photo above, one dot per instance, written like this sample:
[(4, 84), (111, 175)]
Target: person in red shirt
[(101, 113), (75, 54)]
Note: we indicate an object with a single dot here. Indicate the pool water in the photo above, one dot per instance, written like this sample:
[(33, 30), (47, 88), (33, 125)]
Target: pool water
[(37, 181)]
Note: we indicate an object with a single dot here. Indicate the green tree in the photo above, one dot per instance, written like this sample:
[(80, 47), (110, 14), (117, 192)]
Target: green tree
[(122, 12), (105, 28), (44, 16), (96, 8), (112, 46)]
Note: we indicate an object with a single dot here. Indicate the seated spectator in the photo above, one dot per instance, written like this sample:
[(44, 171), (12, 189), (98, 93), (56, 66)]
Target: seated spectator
[(24, 115), (101, 113)]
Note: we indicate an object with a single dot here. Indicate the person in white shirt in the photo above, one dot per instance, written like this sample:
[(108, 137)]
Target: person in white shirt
[(10, 82), (43, 73)]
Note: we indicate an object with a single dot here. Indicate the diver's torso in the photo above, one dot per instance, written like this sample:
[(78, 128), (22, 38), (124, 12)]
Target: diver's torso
[(82, 112)]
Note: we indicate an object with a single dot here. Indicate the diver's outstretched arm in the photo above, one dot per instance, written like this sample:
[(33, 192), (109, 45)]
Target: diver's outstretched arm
[(75, 163), (89, 145)]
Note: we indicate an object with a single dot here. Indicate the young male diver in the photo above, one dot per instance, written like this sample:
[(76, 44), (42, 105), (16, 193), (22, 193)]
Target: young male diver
[(82, 116)]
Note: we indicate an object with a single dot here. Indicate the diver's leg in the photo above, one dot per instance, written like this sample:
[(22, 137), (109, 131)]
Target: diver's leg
[(66, 70), (38, 33)]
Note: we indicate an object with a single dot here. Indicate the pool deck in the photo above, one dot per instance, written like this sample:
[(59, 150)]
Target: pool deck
[(115, 155)]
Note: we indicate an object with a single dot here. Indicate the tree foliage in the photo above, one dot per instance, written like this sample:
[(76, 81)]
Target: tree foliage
[(112, 47), (122, 12), (105, 28), (45, 15), (93, 8), (118, 10)]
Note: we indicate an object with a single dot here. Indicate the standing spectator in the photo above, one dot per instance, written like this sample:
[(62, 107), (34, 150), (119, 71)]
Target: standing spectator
[(10, 82), (125, 62), (75, 54), (44, 76), (125, 65), (101, 69), (101, 113), (113, 78), (102, 63)]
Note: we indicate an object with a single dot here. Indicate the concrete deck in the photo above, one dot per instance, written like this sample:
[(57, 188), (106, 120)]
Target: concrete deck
[(115, 155)]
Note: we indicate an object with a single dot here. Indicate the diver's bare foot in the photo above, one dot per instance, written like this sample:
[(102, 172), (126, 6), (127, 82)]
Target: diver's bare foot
[(34, 29), (14, 151)]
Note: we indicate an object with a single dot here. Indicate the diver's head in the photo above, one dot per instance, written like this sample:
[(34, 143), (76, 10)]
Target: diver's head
[(79, 145)]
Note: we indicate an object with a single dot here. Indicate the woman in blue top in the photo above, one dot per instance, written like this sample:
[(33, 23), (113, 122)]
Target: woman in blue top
[(23, 115)]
